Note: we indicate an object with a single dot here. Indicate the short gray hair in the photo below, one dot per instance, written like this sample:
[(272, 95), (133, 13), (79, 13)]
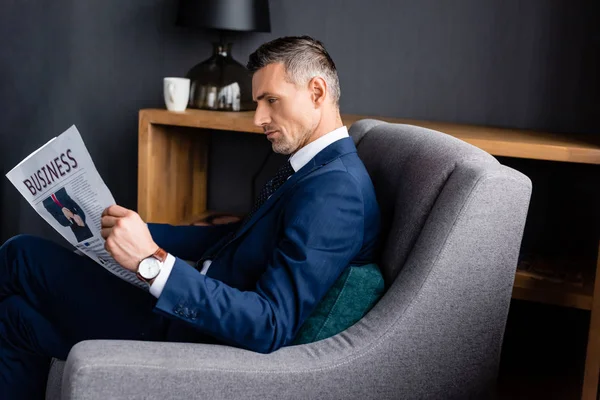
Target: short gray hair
[(302, 57)]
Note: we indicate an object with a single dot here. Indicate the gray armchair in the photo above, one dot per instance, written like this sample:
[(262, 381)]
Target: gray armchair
[(453, 218)]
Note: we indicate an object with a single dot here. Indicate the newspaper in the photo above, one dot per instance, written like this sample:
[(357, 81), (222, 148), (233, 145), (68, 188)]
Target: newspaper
[(60, 181)]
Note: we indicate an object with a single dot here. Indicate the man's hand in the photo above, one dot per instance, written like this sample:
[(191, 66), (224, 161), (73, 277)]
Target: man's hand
[(128, 239), (78, 220), (67, 213)]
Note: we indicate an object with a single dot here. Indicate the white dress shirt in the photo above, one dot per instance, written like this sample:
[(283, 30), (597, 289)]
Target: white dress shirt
[(298, 160)]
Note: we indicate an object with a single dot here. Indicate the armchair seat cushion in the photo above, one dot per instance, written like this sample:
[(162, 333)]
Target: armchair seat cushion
[(351, 297)]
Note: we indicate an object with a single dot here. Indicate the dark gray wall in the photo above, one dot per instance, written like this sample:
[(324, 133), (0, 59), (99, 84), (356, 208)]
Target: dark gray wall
[(526, 64), (89, 63)]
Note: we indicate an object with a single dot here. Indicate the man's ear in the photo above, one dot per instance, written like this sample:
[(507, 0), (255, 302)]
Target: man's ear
[(318, 88)]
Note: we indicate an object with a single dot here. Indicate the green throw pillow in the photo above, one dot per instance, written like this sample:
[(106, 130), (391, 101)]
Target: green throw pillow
[(349, 299)]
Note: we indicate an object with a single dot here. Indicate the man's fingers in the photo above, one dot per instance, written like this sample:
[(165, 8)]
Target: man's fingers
[(105, 232), (108, 221), (116, 211)]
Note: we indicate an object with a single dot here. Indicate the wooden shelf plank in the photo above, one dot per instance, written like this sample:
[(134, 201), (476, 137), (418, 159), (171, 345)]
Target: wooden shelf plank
[(513, 142), (497, 141), (189, 220), (527, 288), (592, 360), (203, 119)]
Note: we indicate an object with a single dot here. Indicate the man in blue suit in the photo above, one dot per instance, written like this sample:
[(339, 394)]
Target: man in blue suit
[(68, 213), (250, 284)]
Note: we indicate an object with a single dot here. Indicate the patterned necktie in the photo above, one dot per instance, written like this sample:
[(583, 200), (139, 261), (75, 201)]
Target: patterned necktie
[(282, 175)]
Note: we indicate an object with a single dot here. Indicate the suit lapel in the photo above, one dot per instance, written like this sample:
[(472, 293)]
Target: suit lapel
[(324, 157)]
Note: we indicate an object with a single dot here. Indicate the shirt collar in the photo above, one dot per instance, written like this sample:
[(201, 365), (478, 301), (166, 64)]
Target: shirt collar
[(307, 153)]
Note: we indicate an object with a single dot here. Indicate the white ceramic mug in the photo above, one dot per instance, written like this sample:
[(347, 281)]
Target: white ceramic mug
[(177, 93)]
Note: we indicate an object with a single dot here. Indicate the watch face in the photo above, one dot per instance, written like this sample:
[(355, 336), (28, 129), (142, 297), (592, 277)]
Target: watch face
[(149, 268)]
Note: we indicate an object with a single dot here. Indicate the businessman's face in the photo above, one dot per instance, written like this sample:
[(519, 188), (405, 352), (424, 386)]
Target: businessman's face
[(285, 111)]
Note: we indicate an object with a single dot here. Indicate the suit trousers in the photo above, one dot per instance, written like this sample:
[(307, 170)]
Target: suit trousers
[(52, 298)]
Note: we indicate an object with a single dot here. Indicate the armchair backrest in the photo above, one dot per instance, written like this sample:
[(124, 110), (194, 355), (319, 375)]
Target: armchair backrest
[(453, 220), (409, 167)]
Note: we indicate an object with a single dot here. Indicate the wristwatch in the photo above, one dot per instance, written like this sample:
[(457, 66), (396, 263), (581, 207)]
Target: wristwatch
[(149, 267)]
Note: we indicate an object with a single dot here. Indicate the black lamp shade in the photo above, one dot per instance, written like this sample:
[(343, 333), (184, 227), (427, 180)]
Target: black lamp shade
[(232, 15)]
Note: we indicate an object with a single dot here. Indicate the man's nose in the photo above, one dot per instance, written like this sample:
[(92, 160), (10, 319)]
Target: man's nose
[(261, 116)]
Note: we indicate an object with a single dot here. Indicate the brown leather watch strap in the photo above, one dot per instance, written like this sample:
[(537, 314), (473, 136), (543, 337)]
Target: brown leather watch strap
[(160, 255)]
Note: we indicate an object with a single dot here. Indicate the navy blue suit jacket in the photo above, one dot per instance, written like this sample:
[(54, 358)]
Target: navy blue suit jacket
[(267, 278)]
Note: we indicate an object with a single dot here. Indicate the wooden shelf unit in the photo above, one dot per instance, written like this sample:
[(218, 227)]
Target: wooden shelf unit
[(528, 288), (176, 144)]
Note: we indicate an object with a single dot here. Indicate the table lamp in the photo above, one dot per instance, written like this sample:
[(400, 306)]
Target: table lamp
[(220, 82)]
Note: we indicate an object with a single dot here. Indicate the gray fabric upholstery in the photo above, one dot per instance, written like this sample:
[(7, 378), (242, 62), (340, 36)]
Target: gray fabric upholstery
[(454, 219), (54, 385)]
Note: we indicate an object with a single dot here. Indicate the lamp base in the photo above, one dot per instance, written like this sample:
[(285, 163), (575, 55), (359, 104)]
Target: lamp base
[(221, 83)]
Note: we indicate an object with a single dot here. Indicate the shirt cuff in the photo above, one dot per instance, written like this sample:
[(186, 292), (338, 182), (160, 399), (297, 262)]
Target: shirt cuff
[(159, 282)]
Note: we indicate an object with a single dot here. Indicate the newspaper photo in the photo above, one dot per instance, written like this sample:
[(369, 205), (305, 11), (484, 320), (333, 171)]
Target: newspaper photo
[(60, 181)]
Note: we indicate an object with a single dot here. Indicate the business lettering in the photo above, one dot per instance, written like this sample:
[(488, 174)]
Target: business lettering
[(52, 171)]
